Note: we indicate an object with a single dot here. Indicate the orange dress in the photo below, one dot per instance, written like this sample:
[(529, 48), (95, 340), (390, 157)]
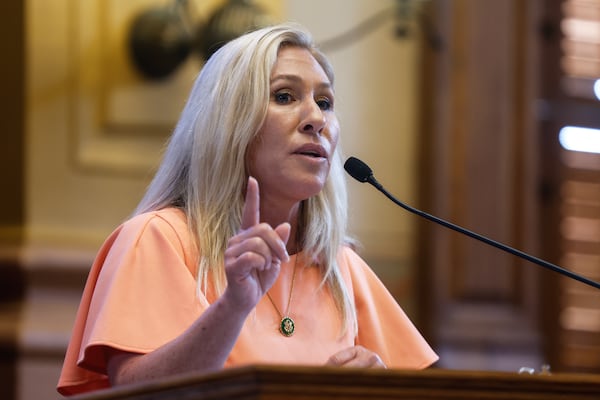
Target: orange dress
[(141, 293)]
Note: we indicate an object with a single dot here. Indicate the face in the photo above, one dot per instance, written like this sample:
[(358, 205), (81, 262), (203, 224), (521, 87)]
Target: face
[(294, 149)]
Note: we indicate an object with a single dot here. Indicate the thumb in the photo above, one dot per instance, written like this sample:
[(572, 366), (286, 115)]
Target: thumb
[(283, 230), (342, 357), (250, 212)]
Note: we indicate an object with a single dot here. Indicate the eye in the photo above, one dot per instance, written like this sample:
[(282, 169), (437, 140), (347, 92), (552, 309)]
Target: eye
[(283, 97), (325, 103)]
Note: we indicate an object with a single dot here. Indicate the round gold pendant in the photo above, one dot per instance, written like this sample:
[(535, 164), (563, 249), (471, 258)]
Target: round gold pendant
[(286, 327)]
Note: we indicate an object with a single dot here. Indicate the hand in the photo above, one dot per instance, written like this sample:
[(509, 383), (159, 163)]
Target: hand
[(356, 356), (253, 256)]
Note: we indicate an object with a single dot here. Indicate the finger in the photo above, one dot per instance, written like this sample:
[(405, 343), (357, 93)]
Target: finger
[(369, 360), (262, 239), (283, 231), (356, 356), (250, 212), (253, 251), (249, 262), (246, 268), (342, 357)]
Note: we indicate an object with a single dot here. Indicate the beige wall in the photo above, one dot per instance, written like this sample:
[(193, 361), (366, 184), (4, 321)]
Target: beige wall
[(95, 127), (95, 130), (376, 81)]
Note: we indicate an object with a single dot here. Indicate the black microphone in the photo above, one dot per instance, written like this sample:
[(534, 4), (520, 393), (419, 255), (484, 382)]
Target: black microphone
[(362, 173)]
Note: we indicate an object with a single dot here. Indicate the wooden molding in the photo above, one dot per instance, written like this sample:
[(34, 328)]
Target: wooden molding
[(285, 382)]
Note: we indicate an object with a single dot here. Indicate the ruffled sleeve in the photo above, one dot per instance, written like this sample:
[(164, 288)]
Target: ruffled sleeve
[(383, 327), (140, 294)]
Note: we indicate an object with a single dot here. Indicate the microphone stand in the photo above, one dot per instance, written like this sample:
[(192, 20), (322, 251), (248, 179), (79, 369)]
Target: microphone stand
[(371, 179)]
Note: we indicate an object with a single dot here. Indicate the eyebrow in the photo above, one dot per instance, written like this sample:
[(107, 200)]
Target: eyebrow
[(298, 79)]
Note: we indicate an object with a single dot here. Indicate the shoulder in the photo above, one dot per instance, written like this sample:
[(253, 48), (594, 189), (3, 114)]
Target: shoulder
[(357, 272), (349, 260), (155, 229), (168, 219), (353, 268)]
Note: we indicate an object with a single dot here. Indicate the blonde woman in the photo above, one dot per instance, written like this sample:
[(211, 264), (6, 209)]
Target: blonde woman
[(238, 252)]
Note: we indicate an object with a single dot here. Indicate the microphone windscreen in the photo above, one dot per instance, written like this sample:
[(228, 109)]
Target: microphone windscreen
[(358, 169)]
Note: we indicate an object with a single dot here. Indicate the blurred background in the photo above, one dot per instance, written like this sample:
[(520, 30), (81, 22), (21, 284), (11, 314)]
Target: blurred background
[(482, 112)]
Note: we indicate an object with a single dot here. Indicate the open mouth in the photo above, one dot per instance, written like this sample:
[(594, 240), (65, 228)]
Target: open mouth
[(310, 154), (312, 150)]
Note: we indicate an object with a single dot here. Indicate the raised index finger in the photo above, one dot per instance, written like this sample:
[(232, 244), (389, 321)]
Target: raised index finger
[(251, 212)]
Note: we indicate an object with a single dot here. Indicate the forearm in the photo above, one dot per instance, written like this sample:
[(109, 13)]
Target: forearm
[(203, 347), (252, 263)]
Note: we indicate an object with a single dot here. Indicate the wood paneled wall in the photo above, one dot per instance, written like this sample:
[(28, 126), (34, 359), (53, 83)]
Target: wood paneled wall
[(479, 162)]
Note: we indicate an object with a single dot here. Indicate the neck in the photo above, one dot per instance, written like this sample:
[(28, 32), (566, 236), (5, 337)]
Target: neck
[(275, 215)]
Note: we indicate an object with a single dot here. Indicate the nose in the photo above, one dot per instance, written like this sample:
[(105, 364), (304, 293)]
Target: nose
[(314, 120)]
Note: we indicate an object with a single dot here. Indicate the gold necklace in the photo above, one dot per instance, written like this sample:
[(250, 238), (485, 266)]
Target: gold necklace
[(286, 326)]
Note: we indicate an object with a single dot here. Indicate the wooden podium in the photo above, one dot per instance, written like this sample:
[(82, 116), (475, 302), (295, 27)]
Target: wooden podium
[(292, 382)]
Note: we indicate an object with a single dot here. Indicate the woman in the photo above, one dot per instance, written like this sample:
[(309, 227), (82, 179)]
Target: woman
[(238, 252)]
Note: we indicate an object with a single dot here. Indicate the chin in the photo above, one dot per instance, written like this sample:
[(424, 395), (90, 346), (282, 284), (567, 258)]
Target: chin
[(313, 187)]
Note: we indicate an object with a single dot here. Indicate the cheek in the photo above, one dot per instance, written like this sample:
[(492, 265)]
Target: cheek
[(334, 141), (270, 133), (262, 156), (253, 156), (334, 133)]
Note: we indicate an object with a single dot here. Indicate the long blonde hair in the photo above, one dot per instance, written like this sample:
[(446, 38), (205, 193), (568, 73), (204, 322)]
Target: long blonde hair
[(204, 169)]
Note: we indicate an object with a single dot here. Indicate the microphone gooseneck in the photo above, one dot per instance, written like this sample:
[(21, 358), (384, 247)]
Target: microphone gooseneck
[(362, 173)]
